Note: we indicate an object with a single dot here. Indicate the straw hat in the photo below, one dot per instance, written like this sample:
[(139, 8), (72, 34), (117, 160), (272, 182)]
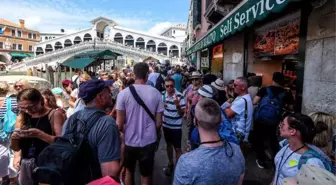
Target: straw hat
[(311, 175), (196, 74), (218, 84)]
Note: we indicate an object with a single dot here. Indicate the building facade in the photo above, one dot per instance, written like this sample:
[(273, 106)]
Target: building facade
[(176, 31), (260, 37), (16, 41), (49, 36)]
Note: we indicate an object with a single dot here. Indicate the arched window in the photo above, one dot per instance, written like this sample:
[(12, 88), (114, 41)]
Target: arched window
[(58, 45), (162, 48), (118, 38), (151, 46), (87, 37), (48, 48), (67, 43), (129, 40), (174, 51), (77, 40), (140, 43)]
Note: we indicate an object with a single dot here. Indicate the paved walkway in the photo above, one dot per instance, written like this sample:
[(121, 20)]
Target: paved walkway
[(253, 172)]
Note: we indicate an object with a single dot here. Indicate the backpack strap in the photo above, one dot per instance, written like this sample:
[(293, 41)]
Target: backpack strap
[(141, 103), (245, 114), (51, 119), (279, 97), (314, 154), (86, 124)]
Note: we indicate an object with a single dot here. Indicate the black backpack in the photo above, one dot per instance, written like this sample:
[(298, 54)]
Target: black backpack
[(74, 83), (70, 159), (159, 83)]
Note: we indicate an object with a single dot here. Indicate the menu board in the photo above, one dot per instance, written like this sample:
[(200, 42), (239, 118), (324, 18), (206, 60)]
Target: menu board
[(278, 38), (217, 59)]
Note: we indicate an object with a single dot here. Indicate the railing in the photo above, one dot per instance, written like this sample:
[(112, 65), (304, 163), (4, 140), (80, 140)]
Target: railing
[(68, 49)]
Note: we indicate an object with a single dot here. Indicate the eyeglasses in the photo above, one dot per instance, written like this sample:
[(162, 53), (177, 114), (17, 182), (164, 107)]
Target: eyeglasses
[(195, 79), (169, 86), (235, 85)]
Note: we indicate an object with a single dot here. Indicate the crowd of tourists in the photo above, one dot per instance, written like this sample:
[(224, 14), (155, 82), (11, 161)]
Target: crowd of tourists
[(96, 128)]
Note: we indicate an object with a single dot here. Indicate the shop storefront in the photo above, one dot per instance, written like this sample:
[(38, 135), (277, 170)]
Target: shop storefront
[(260, 37)]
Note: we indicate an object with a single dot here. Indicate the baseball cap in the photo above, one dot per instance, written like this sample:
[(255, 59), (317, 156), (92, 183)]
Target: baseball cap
[(88, 90), (206, 91)]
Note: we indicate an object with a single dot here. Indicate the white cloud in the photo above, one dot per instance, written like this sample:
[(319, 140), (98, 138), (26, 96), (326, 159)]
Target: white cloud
[(159, 28), (53, 15)]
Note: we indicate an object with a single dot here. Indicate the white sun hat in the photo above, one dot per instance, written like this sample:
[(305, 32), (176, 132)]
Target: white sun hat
[(206, 91), (311, 175)]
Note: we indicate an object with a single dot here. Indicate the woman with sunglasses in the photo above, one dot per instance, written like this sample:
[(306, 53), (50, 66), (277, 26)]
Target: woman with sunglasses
[(21, 84), (299, 131), (36, 127)]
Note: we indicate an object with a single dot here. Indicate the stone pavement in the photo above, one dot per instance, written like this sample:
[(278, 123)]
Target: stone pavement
[(253, 172)]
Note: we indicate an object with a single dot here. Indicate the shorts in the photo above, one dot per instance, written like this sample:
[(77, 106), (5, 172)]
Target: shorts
[(145, 155), (4, 163), (173, 136)]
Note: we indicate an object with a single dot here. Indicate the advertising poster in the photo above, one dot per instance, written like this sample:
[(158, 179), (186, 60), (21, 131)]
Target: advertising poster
[(287, 38), (278, 38), (264, 44), (217, 59)]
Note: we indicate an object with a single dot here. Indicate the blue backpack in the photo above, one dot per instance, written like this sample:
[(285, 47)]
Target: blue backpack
[(270, 107), (225, 131), (8, 123), (311, 153)]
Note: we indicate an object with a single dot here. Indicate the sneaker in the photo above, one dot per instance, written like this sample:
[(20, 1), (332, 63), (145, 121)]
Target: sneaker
[(260, 164), (169, 170)]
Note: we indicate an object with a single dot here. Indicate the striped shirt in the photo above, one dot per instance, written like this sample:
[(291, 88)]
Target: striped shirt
[(3, 108), (171, 117)]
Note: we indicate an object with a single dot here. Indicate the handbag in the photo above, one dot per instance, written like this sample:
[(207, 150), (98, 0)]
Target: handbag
[(143, 105)]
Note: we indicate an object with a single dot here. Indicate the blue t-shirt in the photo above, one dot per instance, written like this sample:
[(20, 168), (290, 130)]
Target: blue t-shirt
[(178, 81), (210, 166), (103, 137)]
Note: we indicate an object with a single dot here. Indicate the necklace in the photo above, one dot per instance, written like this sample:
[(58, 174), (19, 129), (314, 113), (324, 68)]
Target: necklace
[(211, 142)]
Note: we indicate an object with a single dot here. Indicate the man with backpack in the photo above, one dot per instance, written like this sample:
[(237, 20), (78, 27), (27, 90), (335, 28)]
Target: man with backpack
[(271, 101), (157, 79), (240, 111), (75, 79), (90, 146), (139, 117)]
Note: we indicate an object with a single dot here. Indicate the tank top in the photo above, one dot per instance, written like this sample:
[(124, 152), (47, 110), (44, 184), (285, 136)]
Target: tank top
[(32, 147)]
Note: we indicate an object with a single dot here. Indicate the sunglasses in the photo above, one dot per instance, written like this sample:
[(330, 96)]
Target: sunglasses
[(169, 86)]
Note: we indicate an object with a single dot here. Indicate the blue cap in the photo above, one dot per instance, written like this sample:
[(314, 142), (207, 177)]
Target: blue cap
[(88, 90), (57, 91)]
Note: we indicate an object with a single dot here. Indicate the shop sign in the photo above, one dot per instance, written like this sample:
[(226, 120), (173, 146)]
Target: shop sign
[(245, 14)]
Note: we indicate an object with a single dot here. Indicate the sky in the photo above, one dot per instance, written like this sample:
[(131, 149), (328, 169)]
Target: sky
[(153, 16)]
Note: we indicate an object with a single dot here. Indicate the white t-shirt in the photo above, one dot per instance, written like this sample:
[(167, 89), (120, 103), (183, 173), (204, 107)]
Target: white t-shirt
[(74, 93), (289, 167), (238, 121)]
